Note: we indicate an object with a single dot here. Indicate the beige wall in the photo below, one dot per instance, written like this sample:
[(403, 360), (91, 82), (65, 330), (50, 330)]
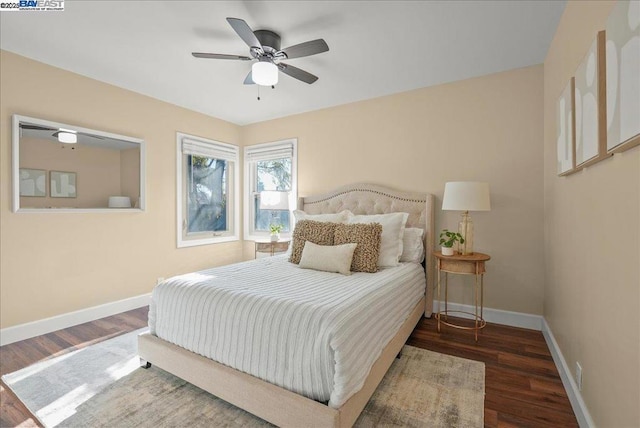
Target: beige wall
[(54, 263), (98, 173), (592, 254), (130, 175), (483, 129), (488, 128)]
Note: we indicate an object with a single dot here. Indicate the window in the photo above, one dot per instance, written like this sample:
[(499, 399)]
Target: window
[(269, 167), (207, 202)]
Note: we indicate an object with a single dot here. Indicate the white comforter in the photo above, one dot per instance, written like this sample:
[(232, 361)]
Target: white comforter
[(314, 333)]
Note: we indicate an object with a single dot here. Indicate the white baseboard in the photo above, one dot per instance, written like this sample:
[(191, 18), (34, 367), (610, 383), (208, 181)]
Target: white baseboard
[(577, 403), (497, 316), (47, 325)]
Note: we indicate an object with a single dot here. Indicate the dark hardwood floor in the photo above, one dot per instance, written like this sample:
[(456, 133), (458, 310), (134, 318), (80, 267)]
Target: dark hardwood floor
[(522, 385), (24, 353)]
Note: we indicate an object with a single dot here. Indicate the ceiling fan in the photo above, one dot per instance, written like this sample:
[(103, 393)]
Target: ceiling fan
[(63, 135), (264, 46)]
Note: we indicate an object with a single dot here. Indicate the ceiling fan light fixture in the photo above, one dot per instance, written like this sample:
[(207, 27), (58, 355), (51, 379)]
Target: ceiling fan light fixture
[(67, 137), (264, 73)]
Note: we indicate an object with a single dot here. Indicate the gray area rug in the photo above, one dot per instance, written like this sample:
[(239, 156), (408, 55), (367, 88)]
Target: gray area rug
[(102, 386)]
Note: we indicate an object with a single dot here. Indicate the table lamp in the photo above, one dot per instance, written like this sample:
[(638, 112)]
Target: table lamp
[(466, 196), (274, 200)]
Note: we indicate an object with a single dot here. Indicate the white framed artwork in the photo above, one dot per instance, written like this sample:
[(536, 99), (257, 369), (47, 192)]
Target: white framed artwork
[(33, 182), (623, 76), (63, 184), (565, 130), (590, 106)]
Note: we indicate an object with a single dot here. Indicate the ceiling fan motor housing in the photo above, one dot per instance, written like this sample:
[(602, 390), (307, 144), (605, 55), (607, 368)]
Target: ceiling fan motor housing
[(269, 40)]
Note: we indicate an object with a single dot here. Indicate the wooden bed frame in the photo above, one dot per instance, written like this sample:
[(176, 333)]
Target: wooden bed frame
[(278, 405)]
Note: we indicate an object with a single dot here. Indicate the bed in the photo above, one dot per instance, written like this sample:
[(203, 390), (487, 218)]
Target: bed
[(283, 388)]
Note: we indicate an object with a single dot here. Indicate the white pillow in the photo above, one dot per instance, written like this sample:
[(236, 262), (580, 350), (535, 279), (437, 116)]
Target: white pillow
[(340, 217), (328, 258), (412, 245), (391, 239)]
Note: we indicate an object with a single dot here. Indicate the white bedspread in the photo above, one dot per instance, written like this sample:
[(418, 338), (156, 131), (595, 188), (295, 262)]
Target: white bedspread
[(313, 333)]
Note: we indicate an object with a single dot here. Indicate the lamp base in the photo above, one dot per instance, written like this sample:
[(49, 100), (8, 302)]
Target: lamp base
[(465, 228)]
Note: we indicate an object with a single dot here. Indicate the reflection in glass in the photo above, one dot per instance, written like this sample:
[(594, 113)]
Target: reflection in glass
[(207, 208), (272, 175), (77, 168)]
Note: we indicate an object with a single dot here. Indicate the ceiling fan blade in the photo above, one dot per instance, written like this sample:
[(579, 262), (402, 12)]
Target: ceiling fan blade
[(91, 135), (219, 56), (306, 49), (36, 127), (249, 79), (297, 73), (245, 32)]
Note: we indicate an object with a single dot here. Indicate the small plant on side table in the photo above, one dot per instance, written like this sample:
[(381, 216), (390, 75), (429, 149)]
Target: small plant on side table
[(447, 239), (275, 230)]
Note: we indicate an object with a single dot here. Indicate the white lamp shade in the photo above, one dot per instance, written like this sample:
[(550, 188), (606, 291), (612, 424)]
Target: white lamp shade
[(264, 73), (119, 202), (274, 200), (67, 137), (466, 196)]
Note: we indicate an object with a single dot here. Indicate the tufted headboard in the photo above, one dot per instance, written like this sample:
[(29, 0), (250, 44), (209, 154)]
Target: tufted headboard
[(373, 199)]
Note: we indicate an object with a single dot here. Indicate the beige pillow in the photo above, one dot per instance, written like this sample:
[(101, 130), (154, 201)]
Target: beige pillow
[(328, 258), (299, 215), (320, 233), (393, 225), (367, 236)]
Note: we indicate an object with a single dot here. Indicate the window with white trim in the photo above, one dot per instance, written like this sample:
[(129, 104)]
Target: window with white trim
[(207, 194), (270, 167)]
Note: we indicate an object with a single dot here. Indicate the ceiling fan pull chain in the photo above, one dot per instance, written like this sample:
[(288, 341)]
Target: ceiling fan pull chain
[(258, 92)]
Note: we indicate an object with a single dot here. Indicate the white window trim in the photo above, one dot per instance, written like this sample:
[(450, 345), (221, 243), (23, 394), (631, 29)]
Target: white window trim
[(235, 236), (249, 233)]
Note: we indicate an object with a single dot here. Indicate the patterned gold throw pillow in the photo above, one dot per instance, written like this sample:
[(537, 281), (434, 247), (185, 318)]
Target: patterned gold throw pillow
[(318, 232), (367, 236)]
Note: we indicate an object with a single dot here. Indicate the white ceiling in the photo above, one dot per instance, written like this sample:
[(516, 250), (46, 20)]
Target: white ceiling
[(376, 47)]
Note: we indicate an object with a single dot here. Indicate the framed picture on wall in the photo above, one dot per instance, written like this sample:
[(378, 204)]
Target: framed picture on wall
[(590, 107), (63, 184), (623, 76), (33, 182), (565, 130)]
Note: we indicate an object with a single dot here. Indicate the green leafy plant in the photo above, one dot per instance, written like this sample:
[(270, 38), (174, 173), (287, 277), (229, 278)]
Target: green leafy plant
[(447, 238), (275, 228)]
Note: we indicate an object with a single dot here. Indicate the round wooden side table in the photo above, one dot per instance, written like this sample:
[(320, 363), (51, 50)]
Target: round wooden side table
[(472, 264), (271, 247)]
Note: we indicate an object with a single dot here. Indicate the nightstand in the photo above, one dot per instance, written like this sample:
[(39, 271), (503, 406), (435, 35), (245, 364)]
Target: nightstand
[(472, 264), (271, 247)]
